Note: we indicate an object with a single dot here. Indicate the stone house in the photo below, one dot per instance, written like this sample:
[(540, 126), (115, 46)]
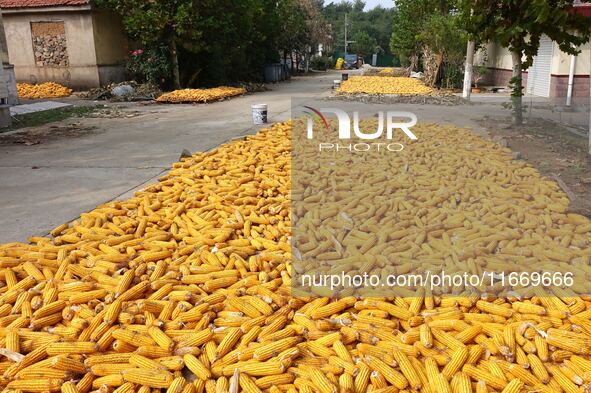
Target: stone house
[(66, 41), (552, 71)]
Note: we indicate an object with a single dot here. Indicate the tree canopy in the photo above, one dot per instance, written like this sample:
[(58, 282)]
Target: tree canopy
[(376, 22), (427, 36), (363, 44), (210, 42)]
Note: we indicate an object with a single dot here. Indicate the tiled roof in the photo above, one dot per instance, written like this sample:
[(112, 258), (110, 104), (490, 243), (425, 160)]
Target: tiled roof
[(39, 3)]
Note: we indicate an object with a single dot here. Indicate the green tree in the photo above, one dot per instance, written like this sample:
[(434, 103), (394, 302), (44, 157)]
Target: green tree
[(441, 36), (408, 20), (363, 44), (155, 22), (376, 22), (303, 28), (237, 38), (518, 25), (208, 42)]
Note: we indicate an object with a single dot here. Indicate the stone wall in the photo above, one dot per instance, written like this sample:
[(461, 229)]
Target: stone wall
[(49, 44), (77, 25)]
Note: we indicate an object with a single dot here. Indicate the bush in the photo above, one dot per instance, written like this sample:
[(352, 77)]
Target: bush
[(148, 65), (321, 63)]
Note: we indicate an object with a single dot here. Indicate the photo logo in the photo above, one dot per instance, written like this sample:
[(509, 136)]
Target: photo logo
[(390, 121)]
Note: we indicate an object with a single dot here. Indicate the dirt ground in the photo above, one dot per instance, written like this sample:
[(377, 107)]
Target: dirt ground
[(554, 151), (39, 135), (47, 127)]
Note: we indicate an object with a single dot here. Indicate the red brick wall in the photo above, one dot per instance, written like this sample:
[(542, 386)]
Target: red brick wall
[(559, 86), (558, 83), (501, 77)]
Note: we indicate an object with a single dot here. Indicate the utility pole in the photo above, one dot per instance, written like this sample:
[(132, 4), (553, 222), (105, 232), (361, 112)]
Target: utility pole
[(345, 34), (469, 70)]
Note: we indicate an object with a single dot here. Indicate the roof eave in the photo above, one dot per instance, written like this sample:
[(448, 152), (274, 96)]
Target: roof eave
[(60, 8)]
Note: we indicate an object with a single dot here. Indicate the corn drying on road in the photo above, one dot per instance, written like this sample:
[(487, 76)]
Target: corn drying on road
[(184, 288), (75, 174), (49, 183)]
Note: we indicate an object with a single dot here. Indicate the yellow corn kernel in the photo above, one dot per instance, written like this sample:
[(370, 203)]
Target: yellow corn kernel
[(69, 387), (274, 380), (160, 338), (148, 377), (515, 386), (66, 348), (177, 385), (197, 367)]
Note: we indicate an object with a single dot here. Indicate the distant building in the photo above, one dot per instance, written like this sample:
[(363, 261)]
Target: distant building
[(66, 41), (550, 73)]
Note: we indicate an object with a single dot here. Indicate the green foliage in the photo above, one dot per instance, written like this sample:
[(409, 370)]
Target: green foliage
[(150, 22), (479, 72), (430, 26), (148, 65), (322, 63), (519, 25), (364, 44), (442, 34), (210, 42), (408, 21), (377, 22)]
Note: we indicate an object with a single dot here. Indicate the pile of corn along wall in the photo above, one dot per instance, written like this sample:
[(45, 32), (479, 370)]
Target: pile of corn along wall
[(43, 90), (384, 85), (185, 288), (201, 95)]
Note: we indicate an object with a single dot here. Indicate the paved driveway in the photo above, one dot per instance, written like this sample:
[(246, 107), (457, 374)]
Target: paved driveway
[(44, 185)]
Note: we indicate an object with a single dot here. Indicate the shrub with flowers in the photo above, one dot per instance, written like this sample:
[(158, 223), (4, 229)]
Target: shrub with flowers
[(148, 65)]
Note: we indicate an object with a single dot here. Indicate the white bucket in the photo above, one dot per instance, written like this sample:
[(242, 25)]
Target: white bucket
[(336, 83), (259, 114)]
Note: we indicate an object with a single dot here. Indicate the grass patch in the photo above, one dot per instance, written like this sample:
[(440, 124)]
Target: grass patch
[(50, 116)]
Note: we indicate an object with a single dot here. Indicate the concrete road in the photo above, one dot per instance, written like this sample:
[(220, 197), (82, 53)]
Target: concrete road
[(44, 185)]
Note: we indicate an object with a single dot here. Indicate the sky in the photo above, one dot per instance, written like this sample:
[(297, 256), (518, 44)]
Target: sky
[(369, 4)]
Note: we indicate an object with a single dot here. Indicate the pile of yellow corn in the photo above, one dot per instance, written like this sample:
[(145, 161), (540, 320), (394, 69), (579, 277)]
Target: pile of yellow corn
[(201, 95), (43, 90), (185, 288), (386, 72), (384, 85)]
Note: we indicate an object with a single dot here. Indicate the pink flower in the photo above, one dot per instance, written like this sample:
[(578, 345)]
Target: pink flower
[(140, 51)]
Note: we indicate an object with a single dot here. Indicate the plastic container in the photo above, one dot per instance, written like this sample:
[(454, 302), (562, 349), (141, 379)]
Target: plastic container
[(259, 114), (336, 84), (345, 77)]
